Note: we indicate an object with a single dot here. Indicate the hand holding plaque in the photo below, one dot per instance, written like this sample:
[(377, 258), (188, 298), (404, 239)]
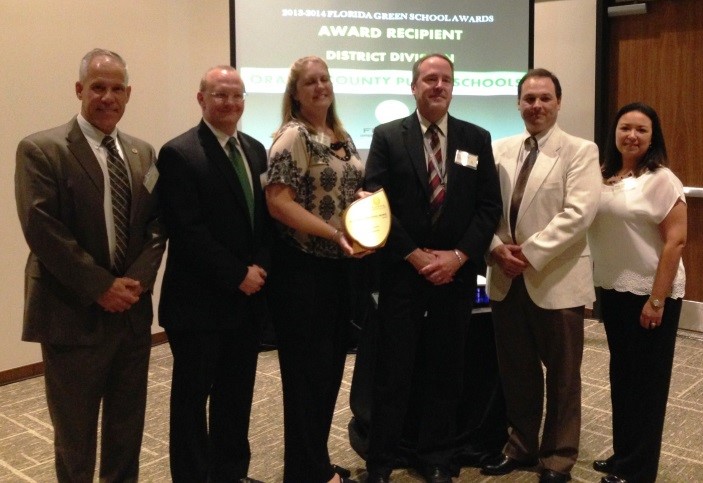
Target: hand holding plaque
[(367, 222)]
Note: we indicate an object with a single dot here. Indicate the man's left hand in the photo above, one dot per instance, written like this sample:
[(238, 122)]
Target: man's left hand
[(441, 271)]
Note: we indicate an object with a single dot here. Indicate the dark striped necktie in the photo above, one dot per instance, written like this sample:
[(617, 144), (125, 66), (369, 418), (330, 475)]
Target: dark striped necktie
[(437, 189), (519, 190), (121, 202)]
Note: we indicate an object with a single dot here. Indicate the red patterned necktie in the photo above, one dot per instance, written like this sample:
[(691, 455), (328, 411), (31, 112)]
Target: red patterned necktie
[(437, 189), (121, 202), (519, 190)]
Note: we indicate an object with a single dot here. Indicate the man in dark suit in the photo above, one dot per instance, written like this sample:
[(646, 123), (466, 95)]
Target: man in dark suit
[(440, 178), (211, 304), (95, 247)]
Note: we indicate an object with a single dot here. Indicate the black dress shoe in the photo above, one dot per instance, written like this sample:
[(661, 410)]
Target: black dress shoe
[(604, 466), (377, 478), (504, 465), (551, 476), (476, 459), (343, 472), (612, 479), (437, 474)]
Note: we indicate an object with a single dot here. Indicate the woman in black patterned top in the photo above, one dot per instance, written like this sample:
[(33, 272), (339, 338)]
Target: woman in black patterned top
[(314, 174)]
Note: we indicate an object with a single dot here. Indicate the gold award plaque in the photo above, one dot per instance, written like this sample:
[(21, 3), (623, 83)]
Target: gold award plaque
[(367, 221)]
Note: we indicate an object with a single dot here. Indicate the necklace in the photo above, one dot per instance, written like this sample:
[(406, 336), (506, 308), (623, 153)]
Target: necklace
[(618, 177), (334, 147)]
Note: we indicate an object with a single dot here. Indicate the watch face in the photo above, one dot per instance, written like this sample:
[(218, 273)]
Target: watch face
[(656, 302)]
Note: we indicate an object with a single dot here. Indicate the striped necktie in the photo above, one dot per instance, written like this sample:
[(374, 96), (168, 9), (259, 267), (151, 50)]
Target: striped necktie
[(121, 202), (519, 190), (437, 189)]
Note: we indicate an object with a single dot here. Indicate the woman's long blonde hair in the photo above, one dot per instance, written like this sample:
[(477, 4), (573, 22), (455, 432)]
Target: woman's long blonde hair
[(291, 107)]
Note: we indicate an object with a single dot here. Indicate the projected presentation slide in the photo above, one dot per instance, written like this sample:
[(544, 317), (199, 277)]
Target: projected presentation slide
[(370, 50)]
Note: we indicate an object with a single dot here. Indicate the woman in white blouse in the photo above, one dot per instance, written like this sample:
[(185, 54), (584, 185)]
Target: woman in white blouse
[(636, 242)]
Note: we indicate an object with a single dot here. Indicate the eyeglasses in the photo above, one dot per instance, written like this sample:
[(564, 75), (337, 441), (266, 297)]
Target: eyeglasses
[(222, 97)]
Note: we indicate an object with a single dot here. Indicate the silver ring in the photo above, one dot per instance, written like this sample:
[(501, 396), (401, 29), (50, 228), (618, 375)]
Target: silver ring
[(652, 325)]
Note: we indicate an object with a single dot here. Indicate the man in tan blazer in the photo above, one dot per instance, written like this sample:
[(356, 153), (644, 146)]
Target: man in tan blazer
[(90, 273), (540, 279)]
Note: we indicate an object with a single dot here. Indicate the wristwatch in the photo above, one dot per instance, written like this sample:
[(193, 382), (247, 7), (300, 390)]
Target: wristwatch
[(656, 303)]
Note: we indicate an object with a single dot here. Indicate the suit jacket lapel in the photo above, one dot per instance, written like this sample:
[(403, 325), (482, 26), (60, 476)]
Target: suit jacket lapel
[(251, 156), (449, 166), (546, 159), (219, 158), (508, 161), (81, 150), (253, 169), (414, 143)]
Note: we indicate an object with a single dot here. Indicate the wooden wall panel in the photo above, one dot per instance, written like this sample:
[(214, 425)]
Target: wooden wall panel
[(657, 58)]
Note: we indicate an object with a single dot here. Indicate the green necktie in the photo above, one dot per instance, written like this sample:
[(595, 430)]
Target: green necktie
[(236, 158)]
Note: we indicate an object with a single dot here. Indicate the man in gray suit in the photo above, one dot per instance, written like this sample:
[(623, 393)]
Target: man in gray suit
[(86, 202), (539, 280)]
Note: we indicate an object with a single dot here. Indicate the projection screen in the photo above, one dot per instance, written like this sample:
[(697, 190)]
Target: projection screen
[(370, 47)]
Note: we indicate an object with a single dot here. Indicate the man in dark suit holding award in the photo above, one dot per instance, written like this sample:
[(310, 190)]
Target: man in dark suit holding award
[(86, 201), (441, 181), (212, 304)]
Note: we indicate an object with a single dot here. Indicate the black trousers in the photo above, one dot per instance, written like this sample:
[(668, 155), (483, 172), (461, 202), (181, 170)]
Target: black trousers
[(218, 367), (641, 361), (310, 301), (421, 333), (481, 420)]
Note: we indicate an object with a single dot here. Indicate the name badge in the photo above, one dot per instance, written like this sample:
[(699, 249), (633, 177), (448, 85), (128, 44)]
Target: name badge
[(151, 177), (466, 159)]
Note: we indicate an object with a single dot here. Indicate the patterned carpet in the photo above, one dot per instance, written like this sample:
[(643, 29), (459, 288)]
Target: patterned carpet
[(26, 453)]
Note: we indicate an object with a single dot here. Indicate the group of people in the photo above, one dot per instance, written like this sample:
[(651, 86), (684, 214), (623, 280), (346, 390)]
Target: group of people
[(253, 236), (627, 220)]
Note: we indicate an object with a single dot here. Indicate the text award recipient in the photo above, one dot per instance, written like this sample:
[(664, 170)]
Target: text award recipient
[(211, 303), (87, 206), (440, 178)]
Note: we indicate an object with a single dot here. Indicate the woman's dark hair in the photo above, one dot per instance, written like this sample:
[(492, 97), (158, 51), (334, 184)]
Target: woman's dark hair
[(654, 158)]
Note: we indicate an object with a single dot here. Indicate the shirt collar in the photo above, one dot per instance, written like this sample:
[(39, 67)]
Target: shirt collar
[(441, 124), (542, 137), (92, 134), (222, 138)]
